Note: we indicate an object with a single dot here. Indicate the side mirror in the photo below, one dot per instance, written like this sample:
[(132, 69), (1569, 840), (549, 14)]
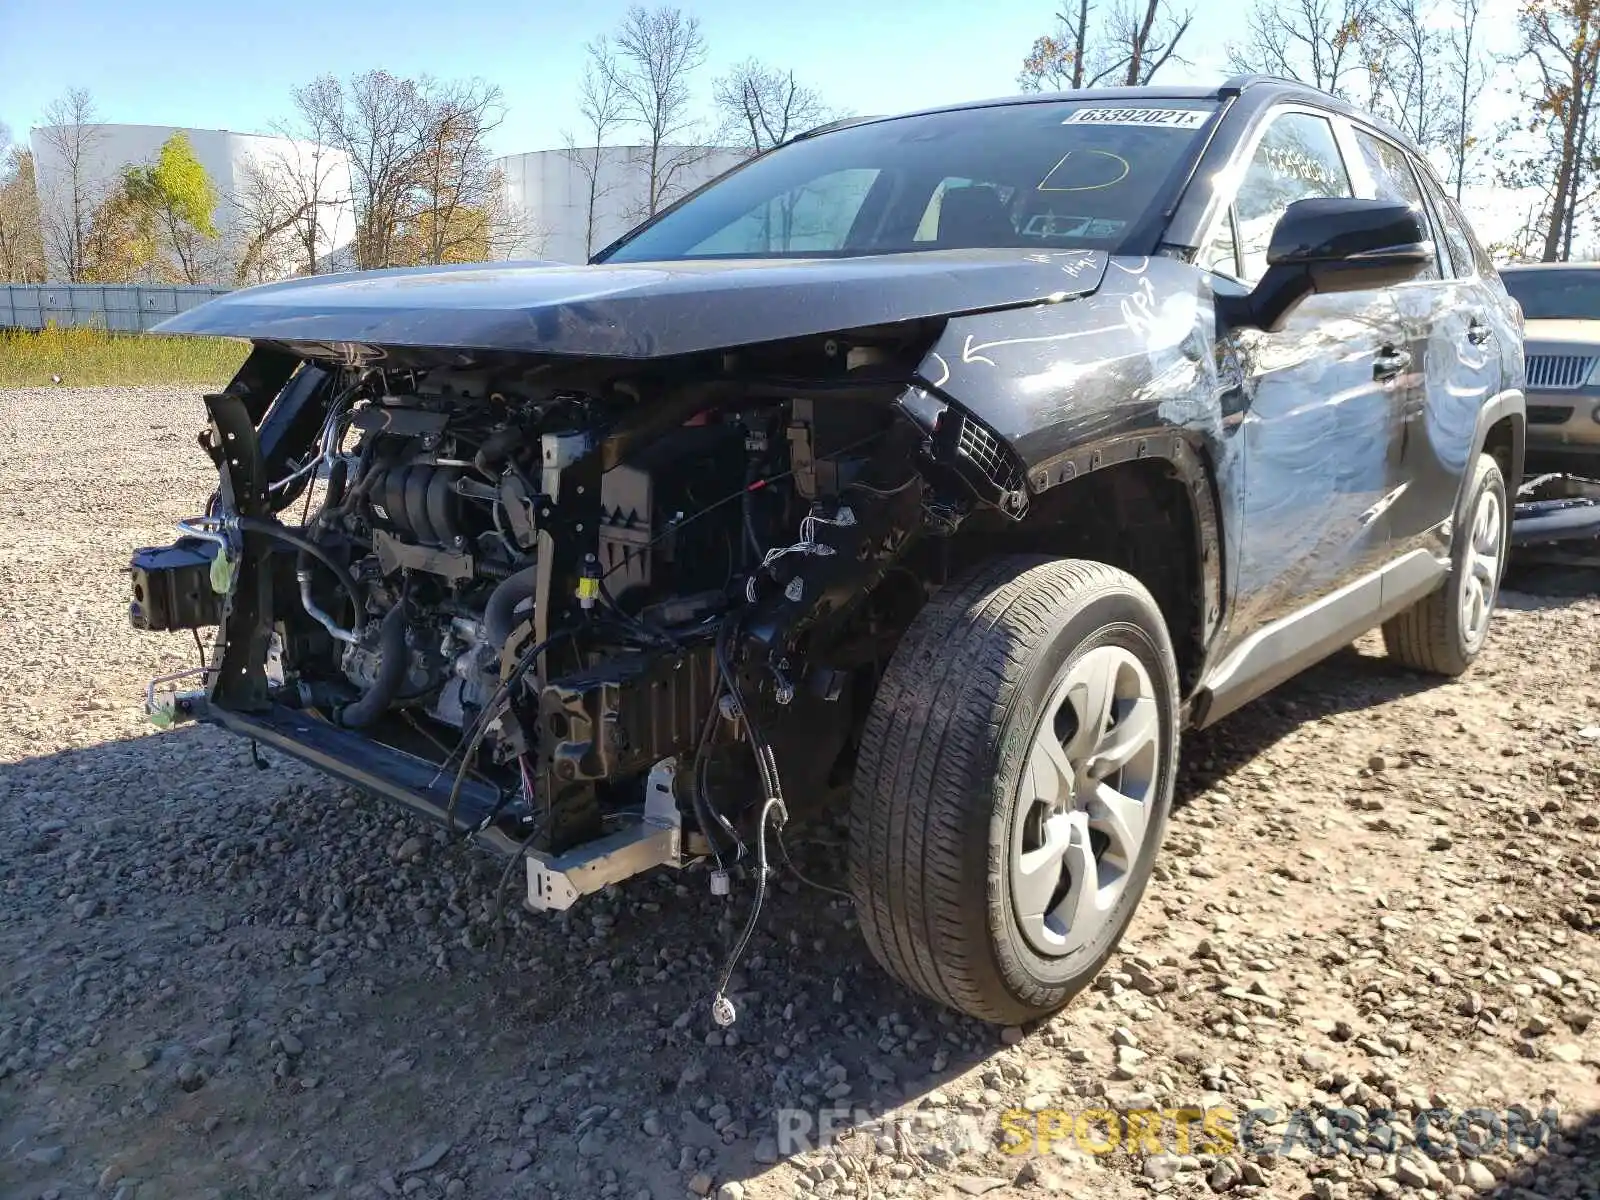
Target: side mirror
[(1329, 245)]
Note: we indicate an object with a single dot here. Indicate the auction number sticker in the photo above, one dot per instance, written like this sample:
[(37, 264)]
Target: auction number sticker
[(1159, 118)]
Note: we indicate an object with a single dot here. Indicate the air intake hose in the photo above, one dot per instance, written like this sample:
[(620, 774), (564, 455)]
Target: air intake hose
[(500, 615), (393, 660)]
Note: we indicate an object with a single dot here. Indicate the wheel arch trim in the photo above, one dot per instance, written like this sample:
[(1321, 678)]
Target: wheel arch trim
[(1191, 466), (1512, 403)]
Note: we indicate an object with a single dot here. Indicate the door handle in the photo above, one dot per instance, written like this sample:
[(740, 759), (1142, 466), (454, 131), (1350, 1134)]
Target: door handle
[(1478, 333), (1390, 362)]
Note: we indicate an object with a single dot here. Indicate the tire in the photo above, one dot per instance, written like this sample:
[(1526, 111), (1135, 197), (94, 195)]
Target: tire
[(945, 802), (1442, 633)]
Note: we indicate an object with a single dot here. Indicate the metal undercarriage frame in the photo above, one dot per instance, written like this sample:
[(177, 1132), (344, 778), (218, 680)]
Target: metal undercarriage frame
[(1556, 521), (555, 881)]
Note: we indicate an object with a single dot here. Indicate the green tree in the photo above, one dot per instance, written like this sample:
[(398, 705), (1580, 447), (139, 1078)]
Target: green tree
[(177, 198)]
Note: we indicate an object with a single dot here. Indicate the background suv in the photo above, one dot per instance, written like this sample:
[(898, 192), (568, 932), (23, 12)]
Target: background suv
[(1561, 305)]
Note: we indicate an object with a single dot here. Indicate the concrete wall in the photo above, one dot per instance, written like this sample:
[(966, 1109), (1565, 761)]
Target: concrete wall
[(551, 191), (225, 156)]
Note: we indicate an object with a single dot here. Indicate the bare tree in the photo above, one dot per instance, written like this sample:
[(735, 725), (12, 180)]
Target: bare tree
[(1150, 38), (602, 107), (21, 244), (1561, 40), (70, 133), (460, 198), (1059, 61), (1127, 45), (1468, 74), (657, 52), (267, 212), (1314, 41), (1406, 56), (379, 121), (312, 171), (762, 107), (424, 188)]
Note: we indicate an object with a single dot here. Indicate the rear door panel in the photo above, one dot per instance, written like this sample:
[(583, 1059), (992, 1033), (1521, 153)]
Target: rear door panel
[(1459, 341)]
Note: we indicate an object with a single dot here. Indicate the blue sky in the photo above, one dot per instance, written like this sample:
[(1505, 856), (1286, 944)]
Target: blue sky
[(211, 65)]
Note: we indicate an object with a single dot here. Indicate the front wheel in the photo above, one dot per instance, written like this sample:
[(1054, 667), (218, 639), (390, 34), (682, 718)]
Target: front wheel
[(1013, 786), (1445, 631)]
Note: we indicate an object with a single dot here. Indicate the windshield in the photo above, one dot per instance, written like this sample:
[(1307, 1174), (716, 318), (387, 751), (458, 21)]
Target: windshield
[(1061, 174), (1563, 294)]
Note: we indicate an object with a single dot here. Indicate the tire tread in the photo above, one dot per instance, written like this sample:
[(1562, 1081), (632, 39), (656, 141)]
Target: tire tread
[(926, 757), (1426, 637)]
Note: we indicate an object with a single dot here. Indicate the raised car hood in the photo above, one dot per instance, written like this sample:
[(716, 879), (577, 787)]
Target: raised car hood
[(638, 310)]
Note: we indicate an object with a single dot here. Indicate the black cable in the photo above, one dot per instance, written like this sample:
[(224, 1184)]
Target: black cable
[(519, 856), (638, 624), (480, 728), (706, 812), (283, 533), (783, 849), (447, 751), (764, 481), (767, 766), (721, 1007)]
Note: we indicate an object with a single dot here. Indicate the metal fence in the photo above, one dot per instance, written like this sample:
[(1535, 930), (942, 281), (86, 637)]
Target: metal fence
[(123, 308)]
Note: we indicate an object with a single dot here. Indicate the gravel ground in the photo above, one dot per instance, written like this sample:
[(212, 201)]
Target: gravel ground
[(1378, 893)]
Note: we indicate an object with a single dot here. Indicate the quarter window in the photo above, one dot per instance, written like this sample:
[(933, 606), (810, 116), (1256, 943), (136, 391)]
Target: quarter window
[(1465, 249), (1296, 159), (1394, 179)]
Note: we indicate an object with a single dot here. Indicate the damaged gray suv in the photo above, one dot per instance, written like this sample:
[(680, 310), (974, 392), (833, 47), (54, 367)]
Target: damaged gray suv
[(961, 460)]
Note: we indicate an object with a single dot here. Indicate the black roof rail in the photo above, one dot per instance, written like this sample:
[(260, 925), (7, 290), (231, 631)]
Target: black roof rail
[(830, 126), (1255, 78)]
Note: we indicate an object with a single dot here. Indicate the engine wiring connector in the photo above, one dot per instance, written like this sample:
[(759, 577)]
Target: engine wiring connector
[(589, 585)]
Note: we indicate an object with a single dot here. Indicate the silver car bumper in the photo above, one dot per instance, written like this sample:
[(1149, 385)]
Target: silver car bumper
[(1565, 420)]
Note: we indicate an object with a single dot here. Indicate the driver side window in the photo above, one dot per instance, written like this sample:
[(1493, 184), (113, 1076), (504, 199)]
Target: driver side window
[(1297, 159)]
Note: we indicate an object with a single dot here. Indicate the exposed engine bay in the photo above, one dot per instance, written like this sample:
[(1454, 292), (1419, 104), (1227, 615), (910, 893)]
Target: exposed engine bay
[(603, 618)]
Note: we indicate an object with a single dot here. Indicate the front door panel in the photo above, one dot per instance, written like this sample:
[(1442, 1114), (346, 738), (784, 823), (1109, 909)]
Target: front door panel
[(1317, 431)]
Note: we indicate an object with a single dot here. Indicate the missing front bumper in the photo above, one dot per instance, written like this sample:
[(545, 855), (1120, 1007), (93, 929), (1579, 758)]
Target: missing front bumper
[(555, 881)]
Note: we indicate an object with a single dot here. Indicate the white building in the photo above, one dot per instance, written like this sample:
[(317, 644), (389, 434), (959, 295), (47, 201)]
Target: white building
[(549, 189), (227, 157)]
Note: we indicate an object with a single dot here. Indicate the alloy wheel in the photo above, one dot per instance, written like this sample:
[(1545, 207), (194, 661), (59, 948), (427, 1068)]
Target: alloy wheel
[(1485, 550), (1085, 800)]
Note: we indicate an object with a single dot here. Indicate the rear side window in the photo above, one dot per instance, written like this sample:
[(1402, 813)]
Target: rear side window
[(1394, 179), (1297, 159), (1476, 252), (1455, 236)]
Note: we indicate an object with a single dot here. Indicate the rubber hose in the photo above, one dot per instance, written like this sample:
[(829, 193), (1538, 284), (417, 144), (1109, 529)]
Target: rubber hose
[(499, 616), (272, 529), (391, 676), (338, 476)]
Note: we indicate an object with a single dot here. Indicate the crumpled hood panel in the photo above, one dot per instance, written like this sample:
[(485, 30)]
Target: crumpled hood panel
[(638, 310)]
